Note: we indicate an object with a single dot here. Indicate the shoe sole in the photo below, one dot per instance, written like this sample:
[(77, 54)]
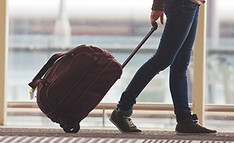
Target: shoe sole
[(122, 130), (179, 133)]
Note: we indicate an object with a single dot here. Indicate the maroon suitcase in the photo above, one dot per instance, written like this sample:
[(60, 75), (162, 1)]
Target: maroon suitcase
[(71, 84)]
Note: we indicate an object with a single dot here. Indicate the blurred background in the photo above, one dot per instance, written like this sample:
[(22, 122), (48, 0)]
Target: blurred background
[(40, 28)]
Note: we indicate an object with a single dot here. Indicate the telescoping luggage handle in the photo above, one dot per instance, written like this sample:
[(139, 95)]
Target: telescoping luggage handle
[(37, 79), (154, 27)]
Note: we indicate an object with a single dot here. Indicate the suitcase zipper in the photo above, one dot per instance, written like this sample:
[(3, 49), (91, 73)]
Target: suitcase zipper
[(93, 82), (52, 81), (95, 58), (82, 94)]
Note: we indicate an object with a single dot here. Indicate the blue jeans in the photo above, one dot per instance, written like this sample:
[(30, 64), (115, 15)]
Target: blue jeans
[(174, 50)]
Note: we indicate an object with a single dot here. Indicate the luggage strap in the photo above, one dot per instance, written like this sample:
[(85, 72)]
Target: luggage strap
[(37, 79)]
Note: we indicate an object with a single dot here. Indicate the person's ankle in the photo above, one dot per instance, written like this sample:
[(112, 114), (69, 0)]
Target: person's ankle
[(121, 119), (126, 113)]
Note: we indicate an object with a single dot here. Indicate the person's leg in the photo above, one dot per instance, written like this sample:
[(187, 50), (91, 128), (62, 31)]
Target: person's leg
[(173, 37), (187, 123), (178, 75), (175, 32)]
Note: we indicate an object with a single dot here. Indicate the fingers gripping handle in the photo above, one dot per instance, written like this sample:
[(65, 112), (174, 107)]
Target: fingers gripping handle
[(154, 27)]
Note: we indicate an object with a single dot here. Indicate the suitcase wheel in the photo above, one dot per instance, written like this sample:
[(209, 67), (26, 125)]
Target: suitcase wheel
[(68, 129)]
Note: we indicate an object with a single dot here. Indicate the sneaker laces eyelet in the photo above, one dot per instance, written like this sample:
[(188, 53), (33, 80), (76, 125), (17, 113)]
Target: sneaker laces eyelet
[(130, 123)]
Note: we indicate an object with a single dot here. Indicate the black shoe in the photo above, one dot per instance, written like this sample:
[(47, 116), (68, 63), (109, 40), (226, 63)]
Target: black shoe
[(122, 120), (192, 126)]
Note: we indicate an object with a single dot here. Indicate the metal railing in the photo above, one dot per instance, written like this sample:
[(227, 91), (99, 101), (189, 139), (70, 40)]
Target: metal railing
[(138, 106), (199, 83), (158, 110), (199, 63)]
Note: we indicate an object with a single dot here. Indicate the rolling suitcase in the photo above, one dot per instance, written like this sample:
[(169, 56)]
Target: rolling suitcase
[(71, 84)]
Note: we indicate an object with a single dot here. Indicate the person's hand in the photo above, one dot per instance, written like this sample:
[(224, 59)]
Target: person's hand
[(155, 15)]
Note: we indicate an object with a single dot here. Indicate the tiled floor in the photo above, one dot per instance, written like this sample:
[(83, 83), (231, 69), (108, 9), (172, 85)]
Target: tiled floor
[(106, 135), (35, 139)]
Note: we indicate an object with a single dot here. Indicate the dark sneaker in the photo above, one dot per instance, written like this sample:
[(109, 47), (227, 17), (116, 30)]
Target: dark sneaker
[(192, 126), (122, 120)]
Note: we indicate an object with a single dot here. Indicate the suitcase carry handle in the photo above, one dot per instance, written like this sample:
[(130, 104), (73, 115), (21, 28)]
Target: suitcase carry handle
[(37, 79), (154, 27)]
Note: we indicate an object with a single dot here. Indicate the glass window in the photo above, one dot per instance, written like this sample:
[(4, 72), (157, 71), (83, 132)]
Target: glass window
[(41, 28), (220, 52), (220, 61)]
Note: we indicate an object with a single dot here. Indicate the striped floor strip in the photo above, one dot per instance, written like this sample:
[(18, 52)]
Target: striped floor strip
[(35, 139)]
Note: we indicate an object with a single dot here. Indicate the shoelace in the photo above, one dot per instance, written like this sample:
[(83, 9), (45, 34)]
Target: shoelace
[(129, 122), (197, 123)]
